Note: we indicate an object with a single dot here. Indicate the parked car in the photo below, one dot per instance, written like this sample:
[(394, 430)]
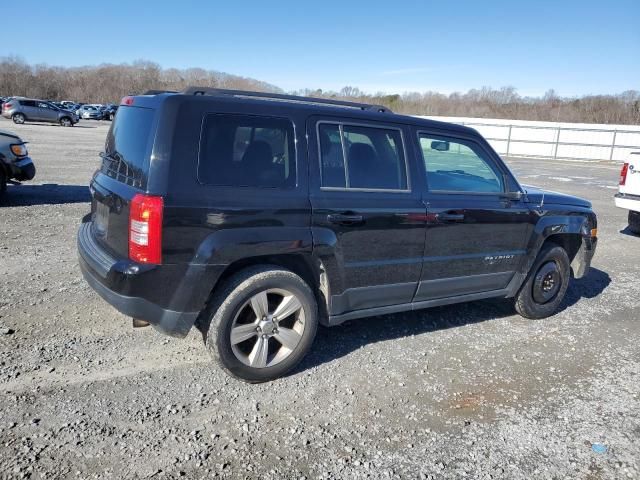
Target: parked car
[(109, 112), (256, 216), (27, 109), (90, 112), (628, 196), (15, 163)]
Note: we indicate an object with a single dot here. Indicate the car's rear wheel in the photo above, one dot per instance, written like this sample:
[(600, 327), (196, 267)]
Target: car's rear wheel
[(18, 118), (111, 117), (66, 122), (261, 323), (546, 285), (634, 221)]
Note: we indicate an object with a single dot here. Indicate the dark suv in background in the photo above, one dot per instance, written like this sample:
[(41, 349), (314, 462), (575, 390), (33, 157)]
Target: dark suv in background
[(255, 217)]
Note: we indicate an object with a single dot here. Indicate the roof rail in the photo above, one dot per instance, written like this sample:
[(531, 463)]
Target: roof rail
[(286, 98)]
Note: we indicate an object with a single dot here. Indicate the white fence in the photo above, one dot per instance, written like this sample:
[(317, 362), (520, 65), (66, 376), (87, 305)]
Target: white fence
[(575, 141)]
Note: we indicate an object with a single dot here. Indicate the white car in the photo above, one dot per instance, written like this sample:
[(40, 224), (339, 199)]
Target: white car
[(628, 195)]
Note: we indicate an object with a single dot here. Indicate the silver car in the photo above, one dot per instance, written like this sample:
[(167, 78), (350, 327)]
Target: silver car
[(21, 110), (90, 112)]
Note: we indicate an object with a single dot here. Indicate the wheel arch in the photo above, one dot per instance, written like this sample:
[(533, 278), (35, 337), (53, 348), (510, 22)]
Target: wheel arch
[(305, 265), (567, 231)]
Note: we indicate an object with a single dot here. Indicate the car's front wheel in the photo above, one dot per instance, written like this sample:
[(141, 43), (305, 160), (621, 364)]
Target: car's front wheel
[(261, 323), (3, 183), (66, 122), (18, 118), (545, 287)]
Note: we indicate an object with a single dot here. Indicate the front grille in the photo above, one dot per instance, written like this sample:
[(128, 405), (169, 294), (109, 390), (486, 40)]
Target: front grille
[(115, 167)]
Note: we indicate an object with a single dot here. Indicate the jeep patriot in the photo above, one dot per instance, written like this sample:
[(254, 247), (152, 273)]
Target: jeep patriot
[(254, 217)]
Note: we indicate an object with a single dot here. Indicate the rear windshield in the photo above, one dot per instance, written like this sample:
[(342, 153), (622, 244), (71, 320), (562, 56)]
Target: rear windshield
[(125, 156)]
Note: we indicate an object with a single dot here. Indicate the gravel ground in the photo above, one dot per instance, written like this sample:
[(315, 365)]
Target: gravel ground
[(462, 391)]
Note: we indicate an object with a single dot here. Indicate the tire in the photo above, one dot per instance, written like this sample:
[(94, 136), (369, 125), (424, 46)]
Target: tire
[(233, 306), (18, 118), (66, 122), (634, 221), (3, 184), (111, 117), (546, 285)]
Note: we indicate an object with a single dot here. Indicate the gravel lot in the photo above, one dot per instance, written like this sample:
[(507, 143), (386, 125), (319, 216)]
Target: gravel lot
[(463, 391)]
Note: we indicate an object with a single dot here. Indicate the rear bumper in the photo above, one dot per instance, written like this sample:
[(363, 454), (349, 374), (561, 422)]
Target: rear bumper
[(628, 201), (169, 297)]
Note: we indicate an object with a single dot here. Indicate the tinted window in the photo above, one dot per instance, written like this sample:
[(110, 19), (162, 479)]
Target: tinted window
[(126, 144), (250, 151), (458, 166), (332, 159), (374, 157), (28, 103)]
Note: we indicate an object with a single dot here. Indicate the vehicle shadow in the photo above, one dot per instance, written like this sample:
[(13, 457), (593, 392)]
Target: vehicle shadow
[(77, 125), (627, 231), (333, 343), (46, 194)]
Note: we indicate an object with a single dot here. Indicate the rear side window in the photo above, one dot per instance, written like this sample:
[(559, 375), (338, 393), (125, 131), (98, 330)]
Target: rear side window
[(361, 157), (28, 103), (247, 151), (456, 165), (126, 145)]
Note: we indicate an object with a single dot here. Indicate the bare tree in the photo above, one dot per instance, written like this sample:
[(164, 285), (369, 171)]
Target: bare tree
[(109, 83)]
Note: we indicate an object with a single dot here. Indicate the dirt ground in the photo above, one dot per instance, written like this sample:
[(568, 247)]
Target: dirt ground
[(466, 391)]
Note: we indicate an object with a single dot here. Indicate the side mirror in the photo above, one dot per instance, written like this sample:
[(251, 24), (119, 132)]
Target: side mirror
[(440, 146)]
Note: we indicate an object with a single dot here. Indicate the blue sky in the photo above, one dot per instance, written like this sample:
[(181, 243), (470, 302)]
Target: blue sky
[(575, 47)]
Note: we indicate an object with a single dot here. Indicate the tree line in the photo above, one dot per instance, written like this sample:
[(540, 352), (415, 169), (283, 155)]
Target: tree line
[(108, 83), (623, 108)]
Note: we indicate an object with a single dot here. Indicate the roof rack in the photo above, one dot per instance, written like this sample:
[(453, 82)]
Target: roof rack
[(285, 98), (158, 92)]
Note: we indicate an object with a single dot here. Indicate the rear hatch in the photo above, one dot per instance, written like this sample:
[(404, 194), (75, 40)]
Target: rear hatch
[(630, 175), (124, 173)]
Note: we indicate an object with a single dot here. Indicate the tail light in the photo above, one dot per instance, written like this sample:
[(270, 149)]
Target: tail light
[(7, 106), (145, 229), (623, 174)]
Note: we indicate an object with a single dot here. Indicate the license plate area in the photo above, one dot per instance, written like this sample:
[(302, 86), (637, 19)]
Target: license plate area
[(101, 219)]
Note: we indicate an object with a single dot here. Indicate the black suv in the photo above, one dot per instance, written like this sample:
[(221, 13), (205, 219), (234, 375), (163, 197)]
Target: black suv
[(255, 217)]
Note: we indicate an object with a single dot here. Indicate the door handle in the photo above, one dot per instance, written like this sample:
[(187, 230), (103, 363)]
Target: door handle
[(450, 217), (345, 219)]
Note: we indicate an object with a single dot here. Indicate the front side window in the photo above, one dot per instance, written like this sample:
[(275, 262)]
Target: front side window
[(360, 157), (247, 151), (458, 166)]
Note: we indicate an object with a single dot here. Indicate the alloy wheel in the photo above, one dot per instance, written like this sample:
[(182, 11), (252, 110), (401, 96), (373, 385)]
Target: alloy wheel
[(267, 328)]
